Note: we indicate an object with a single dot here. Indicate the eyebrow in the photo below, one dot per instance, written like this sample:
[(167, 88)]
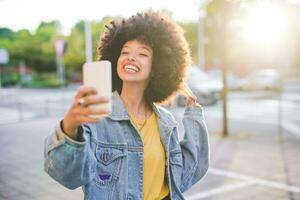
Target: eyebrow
[(142, 47)]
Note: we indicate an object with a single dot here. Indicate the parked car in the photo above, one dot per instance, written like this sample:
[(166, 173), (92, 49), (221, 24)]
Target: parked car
[(261, 80), (232, 78), (206, 89)]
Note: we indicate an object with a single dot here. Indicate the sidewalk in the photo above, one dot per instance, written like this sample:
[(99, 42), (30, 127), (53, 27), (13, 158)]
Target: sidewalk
[(255, 162), (21, 166)]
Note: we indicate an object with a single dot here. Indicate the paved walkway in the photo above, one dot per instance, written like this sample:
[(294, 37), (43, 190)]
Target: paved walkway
[(255, 162)]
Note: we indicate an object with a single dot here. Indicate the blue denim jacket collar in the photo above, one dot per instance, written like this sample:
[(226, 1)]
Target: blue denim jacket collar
[(119, 112)]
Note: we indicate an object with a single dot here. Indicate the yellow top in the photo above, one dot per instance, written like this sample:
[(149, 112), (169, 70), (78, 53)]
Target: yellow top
[(155, 186)]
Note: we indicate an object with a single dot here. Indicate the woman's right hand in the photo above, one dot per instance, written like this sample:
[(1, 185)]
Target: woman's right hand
[(79, 110)]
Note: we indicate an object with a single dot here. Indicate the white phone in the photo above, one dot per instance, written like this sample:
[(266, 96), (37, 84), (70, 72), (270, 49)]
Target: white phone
[(98, 75)]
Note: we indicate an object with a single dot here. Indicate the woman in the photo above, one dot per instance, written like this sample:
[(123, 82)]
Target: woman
[(134, 152)]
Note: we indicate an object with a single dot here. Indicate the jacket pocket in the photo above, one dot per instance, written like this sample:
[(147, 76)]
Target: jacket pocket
[(110, 163), (176, 165)]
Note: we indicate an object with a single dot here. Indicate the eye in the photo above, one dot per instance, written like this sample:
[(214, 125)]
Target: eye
[(143, 54), (124, 52)]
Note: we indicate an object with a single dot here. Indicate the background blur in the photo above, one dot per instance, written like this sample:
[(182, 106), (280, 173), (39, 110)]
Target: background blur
[(246, 74)]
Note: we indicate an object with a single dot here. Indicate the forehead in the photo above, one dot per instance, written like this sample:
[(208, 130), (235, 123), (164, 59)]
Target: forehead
[(137, 44)]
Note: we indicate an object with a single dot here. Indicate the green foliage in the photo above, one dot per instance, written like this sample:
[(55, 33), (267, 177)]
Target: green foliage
[(45, 79), (75, 55), (37, 49), (191, 34), (7, 33), (9, 78), (97, 30)]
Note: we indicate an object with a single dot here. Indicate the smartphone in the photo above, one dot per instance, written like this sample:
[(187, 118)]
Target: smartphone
[(98, 75)]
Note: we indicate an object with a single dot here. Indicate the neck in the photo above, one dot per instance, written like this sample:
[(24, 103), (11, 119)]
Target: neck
[(133, 99)]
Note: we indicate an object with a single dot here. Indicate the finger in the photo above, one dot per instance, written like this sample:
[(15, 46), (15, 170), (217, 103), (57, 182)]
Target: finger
[(91, 111), (94, 99), (86, 119), (84, 91), (187, 91), (191, 101), (80, 102)]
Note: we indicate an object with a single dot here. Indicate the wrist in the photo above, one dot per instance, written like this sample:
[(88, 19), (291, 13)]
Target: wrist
[(70, 131)]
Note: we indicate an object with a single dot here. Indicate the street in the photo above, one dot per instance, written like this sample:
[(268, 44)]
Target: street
[(258, 160), (258, 107), (238, 59)]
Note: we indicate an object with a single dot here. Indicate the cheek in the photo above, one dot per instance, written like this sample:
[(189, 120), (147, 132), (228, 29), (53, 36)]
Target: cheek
[(119, 66), (149, 63), (119, 61)]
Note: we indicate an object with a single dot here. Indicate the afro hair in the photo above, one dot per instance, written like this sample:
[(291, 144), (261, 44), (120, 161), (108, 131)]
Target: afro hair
[(171, 54)]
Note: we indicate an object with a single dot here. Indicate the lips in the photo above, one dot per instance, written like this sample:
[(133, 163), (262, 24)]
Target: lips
[(131, 68)]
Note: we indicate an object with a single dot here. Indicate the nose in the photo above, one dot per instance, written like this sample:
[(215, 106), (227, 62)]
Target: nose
[(131, 57)]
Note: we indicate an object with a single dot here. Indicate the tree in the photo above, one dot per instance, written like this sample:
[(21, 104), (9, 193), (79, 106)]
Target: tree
[(75, 55), (35, 50), (191, 34)]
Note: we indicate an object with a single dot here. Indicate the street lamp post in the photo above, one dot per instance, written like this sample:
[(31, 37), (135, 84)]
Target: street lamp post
[(88, 42), (201, 41), (60, 47), (222, 21), (224, 95), (4, 59)]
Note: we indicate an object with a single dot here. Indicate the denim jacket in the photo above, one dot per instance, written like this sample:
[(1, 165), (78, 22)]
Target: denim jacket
[(108, 162)]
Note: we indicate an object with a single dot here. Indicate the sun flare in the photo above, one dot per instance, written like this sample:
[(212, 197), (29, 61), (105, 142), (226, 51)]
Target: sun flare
[(265, 24)]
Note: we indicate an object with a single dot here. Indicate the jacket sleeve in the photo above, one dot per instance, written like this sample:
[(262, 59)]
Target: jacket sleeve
[(195, 147), (69, 162)]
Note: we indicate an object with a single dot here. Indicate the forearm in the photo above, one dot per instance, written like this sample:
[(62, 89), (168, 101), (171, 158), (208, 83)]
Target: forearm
[(68, 161), (195, 147)]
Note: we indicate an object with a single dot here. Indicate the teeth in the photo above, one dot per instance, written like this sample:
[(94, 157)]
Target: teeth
[(131, 68)]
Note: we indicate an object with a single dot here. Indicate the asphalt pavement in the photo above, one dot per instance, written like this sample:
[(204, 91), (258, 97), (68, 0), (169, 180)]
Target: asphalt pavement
[(259, 160), (254, 162)]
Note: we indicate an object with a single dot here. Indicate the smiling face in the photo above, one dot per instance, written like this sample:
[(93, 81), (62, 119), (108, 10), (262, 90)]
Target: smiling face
[(135, 62)]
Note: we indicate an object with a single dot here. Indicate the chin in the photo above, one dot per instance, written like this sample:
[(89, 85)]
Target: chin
[(133, 80), (130, 77)]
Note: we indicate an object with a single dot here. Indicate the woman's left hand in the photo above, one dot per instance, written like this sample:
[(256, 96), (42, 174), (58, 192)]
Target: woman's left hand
[(187, 92)]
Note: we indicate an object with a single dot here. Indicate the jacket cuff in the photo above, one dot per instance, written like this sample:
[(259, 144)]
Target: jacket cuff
[(195, 111), (62, 136)]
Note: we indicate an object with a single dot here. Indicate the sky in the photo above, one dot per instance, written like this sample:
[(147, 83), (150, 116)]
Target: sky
[(18, 14)]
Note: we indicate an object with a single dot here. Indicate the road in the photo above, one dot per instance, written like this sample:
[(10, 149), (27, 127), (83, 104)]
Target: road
[(257, 107), (256, 161)]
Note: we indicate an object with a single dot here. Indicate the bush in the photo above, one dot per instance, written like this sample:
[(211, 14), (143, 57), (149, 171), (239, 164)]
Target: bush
[(9, 79), (40, 80)]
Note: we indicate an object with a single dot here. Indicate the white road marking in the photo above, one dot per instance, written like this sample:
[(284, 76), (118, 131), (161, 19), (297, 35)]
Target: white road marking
[(247, 181), (292, 128), (219, 190), (272, 184)]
